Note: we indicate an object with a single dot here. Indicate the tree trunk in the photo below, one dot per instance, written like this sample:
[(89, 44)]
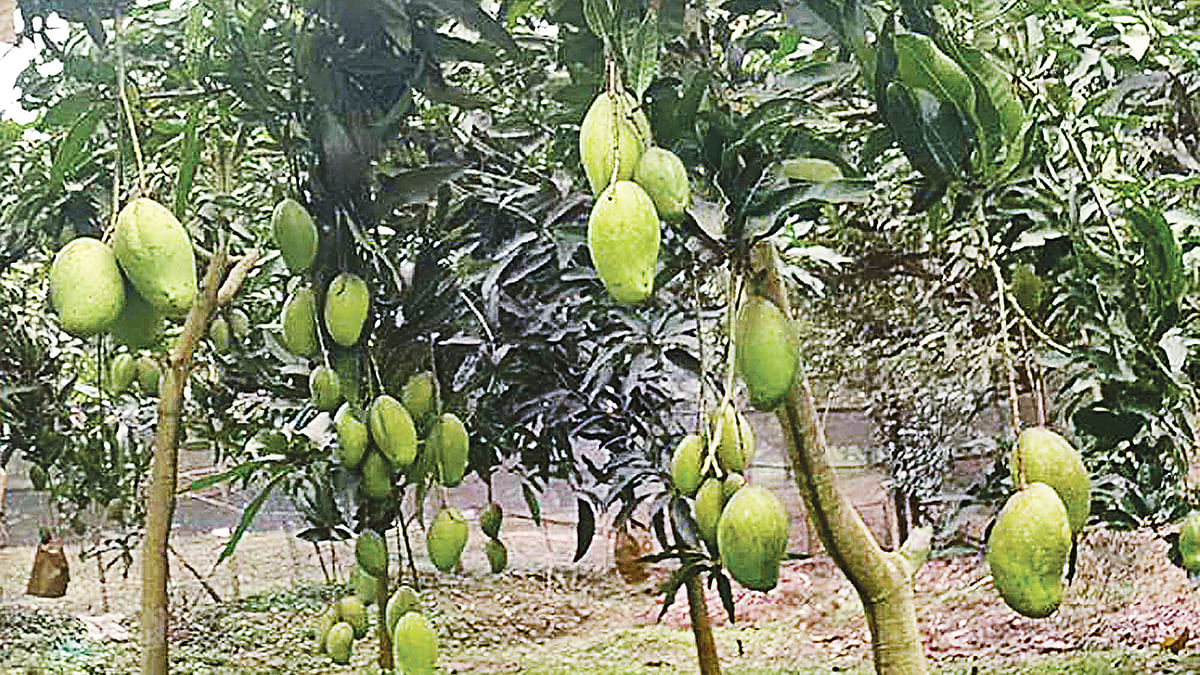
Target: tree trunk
[(882, 579), (706, 647), (160, 497), (385, 638)]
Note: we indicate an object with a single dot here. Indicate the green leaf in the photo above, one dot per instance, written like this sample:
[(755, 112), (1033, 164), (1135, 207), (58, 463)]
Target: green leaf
[(921, 65), (904, 119), (471, 14), (189, 159), (819, 19), (531, 500), (248, 516), (584, 530), (1163, 258), (240, 471), (643, 61), (70, 150), (600, 17), (999, 112)]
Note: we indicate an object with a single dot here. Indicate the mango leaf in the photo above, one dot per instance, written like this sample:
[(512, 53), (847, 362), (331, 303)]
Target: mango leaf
[(70, 150), (189, 159), (585, 529), (999, 112), (947, 134), (903, 116), (531, 500), (855, 27), (248, 515), (1163, 258), (921, 65), (819, 19), (643, 61), (471, 14), (600, 16)]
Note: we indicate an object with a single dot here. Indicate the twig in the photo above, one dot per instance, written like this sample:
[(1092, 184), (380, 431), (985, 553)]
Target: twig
[(237, 276), (212, 593)]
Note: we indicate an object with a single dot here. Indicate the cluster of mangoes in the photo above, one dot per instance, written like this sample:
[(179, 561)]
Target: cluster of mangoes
[(1030, 542), (745, 524), (635, 184), (414, 642), (128, 289)]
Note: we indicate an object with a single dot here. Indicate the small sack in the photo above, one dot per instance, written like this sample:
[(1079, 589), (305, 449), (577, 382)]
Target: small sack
[(50, 572)]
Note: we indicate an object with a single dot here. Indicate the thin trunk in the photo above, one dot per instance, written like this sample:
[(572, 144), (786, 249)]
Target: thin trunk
[(385, 638), (901, 516), (160, 497), (882, 579), (706, 647)]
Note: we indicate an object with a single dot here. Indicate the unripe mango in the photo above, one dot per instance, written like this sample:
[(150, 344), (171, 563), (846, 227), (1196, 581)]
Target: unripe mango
[(1189, 543), (497, 555), (352, 437), (687, 464), (710, 500), (239, 323), (490, 519), (446, 538), (1048, 458), (147, 375), (767, 356), (414, 644), (325, 622), (339, 642), (324, 388), (1027, 550), (450, 444), (417, 396), (623, 237), (596, 135), (300, 323), (662, 175), (732, 483), (376, 476), (752, 537), (139, 325), (393, 431), (122, 371), (370, 550), (354, 612), (403, 601), (733, 438), (86, 288), (346, 303), (295, 234), (155, 252), (219, 334)]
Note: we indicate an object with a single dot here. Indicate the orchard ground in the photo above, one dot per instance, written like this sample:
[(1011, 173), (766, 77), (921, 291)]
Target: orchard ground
[(546, 616)]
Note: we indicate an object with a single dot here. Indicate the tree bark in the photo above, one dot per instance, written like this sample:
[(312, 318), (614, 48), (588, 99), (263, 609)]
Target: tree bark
[(160, 497), (882, 579), (706, 647), (385, 637)]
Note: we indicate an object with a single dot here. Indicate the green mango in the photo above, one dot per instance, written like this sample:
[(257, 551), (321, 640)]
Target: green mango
[(324, 388), (346, 303), (596, 136), (1028, 289), (86, 288), (767, 352), (239, 323), (325, 622), (662, 175), (300, 323), (354, 612), (490, 519), (403, 601), (734, 440), (1048, 458), (139, 325), (811, 170), (497, 555), (451, 445), (393, 431), (340, 642), (376, 476), (732, 483), (219, 334), (414, 645), (295, 234), (363, 585), (623, 237), (1027, 550), (370, 550), (1189, 543), (122, 371), (155, 252), (687, 464), (710, 500), (417, 396), (752, 537), (446, 538), (352, 437), (147, 374)]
